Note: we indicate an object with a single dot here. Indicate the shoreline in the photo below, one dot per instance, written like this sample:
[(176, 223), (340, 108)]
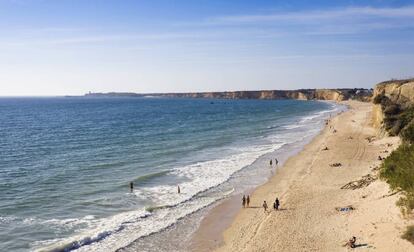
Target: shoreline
[(208, 235), (309, 190)]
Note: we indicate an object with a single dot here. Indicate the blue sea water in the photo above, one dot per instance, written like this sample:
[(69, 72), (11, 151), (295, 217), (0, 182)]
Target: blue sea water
[(66, 163)]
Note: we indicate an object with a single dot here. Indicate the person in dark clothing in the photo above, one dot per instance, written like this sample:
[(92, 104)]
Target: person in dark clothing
[(131, 186), (244, 201), (277, 204), (248, 201)]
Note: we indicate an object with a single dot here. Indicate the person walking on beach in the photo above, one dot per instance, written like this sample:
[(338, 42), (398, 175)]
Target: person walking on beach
[(276, 161), (178, 189), (248, 200), (131, 186), (265, 206), (244, 201), (270, 162), (277, 204), (351, 243)]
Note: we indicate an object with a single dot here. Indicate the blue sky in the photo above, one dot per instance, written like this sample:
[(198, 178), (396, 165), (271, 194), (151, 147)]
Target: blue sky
[(60, 47)]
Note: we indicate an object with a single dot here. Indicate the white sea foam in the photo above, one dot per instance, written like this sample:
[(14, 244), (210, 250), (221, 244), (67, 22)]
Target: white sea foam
[(293, 126), (122, 229), (109, 234)]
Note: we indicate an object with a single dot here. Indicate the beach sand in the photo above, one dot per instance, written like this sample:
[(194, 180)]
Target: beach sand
[(310, 193)]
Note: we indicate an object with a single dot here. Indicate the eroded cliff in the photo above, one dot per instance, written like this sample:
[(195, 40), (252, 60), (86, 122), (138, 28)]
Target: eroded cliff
[(301, 94), (393, 102), (398, 91)]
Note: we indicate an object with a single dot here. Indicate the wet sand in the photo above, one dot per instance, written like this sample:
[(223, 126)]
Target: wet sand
[(309, 189)]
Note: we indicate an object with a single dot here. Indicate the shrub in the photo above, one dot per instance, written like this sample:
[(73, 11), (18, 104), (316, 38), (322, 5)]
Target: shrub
[(409, 234), (377, 99), (392, 109), (395, 127), (396, 119), (407, 115), (406, 204), (398, 171), (386, 102), (407, 133)]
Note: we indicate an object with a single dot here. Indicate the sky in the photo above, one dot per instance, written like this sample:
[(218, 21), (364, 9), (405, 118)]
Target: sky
[(71, 47)]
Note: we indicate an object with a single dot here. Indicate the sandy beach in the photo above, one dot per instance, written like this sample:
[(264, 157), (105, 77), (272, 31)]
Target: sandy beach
[(316, 214)]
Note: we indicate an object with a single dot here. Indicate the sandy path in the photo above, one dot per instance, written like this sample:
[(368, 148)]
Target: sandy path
[(309, 190)]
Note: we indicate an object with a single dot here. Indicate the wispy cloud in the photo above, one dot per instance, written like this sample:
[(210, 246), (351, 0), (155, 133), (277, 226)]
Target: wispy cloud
[(58, 38), (344, 21), (245, 28), (104, 38), (319, 15)]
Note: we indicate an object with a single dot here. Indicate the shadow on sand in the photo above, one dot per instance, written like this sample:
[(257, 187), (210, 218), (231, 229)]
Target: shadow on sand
[(361, 245), (270, 210)]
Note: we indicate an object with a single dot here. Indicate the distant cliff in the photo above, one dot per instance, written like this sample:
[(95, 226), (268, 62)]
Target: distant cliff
[(301, 94)]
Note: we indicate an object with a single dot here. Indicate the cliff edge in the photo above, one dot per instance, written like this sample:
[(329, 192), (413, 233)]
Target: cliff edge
[(300, 94), (392, 102), (398, 91)]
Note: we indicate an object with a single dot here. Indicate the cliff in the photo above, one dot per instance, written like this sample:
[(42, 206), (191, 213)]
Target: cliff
[(301, 94), (393, 101), (398, 91)]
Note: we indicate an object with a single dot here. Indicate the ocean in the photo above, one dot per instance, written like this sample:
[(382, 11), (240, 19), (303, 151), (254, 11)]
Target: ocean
[(66, 164)]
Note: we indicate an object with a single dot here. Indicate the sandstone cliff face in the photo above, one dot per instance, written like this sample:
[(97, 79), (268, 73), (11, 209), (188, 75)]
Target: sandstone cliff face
[(305, 94), (378, 120), (377, 116), (326, 94), (301, 94), (399, 92)]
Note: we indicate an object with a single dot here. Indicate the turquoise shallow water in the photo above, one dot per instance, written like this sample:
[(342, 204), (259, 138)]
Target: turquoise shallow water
[(65, 163)]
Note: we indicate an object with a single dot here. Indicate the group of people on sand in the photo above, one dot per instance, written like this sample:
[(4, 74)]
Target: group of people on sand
[(246, 201), (276, 205)]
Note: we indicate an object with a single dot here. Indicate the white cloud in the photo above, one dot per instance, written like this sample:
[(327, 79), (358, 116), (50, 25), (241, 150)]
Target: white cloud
[(318, 15)]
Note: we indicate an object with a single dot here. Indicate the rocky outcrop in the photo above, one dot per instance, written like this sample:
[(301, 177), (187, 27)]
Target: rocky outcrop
[(399, 91), (326, 94), (391, 99), (301, 94), (377, 116)]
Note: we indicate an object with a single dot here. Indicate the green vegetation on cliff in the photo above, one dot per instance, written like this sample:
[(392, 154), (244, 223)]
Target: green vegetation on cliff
[(409, 234), (398, 171), (398, 168), (398, 120)]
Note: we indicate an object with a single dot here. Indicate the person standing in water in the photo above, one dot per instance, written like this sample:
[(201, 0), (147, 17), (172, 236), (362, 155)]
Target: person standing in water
[(244, 201), (276, 161), (178, 189), (131, 186), (270, 162), (248, 200)]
